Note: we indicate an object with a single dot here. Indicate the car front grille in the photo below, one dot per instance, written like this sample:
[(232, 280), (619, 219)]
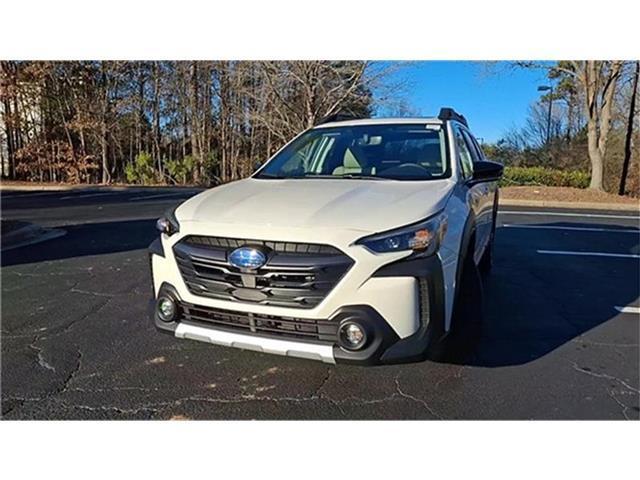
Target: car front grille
[(267, 325), (297, 275)]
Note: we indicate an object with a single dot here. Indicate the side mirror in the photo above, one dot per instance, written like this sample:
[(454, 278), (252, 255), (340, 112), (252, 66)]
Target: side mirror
[(486, 171)]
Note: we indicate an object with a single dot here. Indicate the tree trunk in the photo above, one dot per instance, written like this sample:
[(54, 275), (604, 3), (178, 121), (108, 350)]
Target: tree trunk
[(106, 176), (140, 110), (11, 148), (627, 141), (599, 80), (224, 118), (156, 117), (597, 164), (195, 150)]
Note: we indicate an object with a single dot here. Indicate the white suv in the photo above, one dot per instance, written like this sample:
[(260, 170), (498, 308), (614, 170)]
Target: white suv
[(348, 245)]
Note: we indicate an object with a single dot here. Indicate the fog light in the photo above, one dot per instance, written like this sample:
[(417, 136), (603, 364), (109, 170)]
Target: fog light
[(166, 309), (352, 336)]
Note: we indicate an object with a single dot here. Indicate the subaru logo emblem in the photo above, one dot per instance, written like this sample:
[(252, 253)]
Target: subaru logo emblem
[(247, 258)]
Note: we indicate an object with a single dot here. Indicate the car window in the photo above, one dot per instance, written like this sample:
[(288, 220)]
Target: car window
[(473, 145), (386, 151), (310, 156), (464, 154)]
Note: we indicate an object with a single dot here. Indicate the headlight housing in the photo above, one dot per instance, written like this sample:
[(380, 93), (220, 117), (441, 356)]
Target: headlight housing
[(423, 238), (168, 223)]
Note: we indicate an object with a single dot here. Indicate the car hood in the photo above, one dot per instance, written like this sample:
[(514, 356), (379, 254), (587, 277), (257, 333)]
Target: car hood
[(362, 205)]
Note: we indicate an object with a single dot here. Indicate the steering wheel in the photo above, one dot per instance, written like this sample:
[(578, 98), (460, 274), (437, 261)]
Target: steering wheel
[(412, 169)]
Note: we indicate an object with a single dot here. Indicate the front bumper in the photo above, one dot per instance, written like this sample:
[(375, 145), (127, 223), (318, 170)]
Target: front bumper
[(410, 289)]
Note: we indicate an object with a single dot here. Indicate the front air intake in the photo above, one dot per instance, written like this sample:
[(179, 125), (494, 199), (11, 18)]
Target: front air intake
[(296, 275)]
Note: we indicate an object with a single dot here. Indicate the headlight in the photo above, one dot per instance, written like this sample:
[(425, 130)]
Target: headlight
[(168, 223), (423, 237)]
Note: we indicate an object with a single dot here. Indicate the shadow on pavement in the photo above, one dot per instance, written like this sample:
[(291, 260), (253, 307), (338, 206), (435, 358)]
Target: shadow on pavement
[(85, 240), (64, 199), (535, 303)]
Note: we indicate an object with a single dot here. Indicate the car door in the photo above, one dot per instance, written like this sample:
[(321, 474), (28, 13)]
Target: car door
[(475, 193), (486, 191)]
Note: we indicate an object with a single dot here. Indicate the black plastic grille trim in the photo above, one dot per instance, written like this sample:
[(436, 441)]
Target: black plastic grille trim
[(423, 296), (278, 247), (259, 324), (289, 279)]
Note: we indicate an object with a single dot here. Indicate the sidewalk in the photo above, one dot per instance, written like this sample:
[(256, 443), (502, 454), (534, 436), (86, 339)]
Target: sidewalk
[(566, 197), (620, 207)]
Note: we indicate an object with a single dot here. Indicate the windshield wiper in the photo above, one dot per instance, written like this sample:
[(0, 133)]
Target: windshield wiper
[(358, 176), (316, 175), (271, 176), (348, 176)]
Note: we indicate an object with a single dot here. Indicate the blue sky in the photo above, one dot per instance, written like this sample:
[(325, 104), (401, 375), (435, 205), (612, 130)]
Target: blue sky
[(494, 96)]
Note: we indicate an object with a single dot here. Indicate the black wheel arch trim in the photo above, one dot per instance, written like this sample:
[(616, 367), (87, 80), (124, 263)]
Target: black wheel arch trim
[(417, 346), (156, 248), (468, 234)]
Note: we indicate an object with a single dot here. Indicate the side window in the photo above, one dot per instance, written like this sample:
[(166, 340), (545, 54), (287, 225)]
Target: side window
[(464, 154), (473, 144), (311, 157)]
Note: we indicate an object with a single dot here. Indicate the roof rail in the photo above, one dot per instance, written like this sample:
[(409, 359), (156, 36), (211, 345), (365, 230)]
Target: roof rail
[(338, 117), (448, 113)]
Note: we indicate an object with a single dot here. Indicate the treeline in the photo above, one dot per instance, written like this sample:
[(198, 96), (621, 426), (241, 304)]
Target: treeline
[(589, 127), (166, 122), (205, 122)]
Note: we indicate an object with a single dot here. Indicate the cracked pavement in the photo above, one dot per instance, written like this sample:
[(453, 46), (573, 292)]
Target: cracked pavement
[(77, 344)]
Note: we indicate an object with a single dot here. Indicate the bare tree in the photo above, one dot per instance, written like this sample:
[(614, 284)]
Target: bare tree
[(629, 134), (598, 81), (104, 121)]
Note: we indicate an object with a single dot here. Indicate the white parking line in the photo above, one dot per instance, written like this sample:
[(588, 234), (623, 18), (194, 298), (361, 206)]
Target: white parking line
[(589, 254), (580, 229), (567, 214), (635, 310), (86, 195)]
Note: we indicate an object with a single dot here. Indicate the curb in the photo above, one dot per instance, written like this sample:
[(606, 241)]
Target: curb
[(621, 207)]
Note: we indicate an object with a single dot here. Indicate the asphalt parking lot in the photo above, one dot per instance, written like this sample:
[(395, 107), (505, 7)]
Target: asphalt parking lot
[(560, 337)]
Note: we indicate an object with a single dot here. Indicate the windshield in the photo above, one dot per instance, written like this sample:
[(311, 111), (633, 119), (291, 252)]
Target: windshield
[(376, 152)]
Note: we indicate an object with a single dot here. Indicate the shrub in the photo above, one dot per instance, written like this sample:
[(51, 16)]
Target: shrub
[(141, 170), (544, 176), (181, 170), (185, 170)]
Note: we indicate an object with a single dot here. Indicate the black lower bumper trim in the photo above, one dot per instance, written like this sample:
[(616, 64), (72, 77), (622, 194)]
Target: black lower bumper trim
[(164, 327), (381, 336), (384, 346)]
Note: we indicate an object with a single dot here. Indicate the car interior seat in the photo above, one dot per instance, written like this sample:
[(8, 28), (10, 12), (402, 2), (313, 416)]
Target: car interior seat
[(349, 165)]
